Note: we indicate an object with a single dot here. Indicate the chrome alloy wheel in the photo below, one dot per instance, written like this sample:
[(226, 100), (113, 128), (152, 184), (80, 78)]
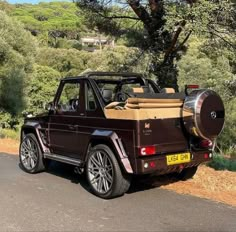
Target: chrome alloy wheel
[(29, 153), (100, 172)]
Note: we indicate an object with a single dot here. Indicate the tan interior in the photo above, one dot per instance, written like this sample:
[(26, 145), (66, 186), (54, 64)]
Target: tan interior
[(138, 90), (114, 105), (168, 90)]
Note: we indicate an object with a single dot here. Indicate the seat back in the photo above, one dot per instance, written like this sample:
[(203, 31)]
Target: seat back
[(107, 94), (167, 90)]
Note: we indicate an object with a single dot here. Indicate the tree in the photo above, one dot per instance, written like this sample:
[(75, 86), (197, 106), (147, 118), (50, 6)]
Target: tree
[(116, 59), (69, 62), (5, 6), (50, 21), (214, 68), (162, 27), (42, 86), (17, 51)]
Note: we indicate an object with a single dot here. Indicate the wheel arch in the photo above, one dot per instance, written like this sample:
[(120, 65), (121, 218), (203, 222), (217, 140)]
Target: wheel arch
[(27, 130), (111, 139), (32, 128)]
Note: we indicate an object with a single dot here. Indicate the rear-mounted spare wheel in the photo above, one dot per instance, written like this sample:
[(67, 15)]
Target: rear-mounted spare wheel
[(203, 114)]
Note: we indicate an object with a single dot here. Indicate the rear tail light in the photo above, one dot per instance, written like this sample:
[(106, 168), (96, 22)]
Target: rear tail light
[(206, 156), (206, 143), (192, 86), (187, 87), (147, 150)]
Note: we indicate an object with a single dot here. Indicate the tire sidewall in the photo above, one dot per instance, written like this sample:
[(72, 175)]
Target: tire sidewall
[(110, 154), (187, 173), (39, 156)]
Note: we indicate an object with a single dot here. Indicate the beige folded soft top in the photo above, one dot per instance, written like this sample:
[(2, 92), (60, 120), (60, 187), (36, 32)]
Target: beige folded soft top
[(140, 103), (144, 108)]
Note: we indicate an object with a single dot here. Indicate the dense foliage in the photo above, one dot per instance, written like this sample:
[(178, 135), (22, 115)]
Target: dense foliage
[(213, 67), (50, 21), (40, 44), (41, 86), (162, 27), (16, 60)]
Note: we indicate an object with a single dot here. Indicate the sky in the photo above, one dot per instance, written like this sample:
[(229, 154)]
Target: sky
[(33, 1)]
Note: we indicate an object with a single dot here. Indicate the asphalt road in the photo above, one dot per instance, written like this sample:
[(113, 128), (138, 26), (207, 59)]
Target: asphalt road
[(58, 200)]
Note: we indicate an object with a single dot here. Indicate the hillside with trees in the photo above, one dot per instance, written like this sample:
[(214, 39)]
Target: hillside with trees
[(173, 42)]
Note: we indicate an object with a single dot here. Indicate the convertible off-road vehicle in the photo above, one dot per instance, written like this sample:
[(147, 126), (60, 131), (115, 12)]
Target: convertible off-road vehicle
[(117, 125)]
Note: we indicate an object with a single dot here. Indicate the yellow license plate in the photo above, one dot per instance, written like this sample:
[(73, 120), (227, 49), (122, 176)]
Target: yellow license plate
[(178, 158)]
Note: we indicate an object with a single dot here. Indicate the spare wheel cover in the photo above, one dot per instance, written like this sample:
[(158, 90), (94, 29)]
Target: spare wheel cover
[(207, 111)]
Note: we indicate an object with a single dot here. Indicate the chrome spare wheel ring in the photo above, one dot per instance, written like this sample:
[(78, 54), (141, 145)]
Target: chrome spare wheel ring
[(29, 153), (100, 171)]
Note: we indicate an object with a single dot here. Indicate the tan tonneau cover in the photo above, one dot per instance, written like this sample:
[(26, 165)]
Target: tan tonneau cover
[(153, 100), (144, 108)]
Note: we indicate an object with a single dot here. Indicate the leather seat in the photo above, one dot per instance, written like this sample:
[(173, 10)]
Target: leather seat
[(107, 95), (167, 90)]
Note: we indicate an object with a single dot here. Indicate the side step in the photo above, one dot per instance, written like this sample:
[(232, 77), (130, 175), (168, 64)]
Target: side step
[(64, 159)]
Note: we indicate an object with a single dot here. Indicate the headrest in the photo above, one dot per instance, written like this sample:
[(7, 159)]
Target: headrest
[(107, 94), (167, 90)]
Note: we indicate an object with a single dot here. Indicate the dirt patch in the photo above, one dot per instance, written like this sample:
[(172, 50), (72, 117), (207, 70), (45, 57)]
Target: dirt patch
[(207, 183), (9, 146), (219, 186)]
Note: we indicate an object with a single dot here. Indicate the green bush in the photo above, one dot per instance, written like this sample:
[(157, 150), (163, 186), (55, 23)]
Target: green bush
[(232, 153), (9, 133), (222, 163), (41, 88), (17, 50)]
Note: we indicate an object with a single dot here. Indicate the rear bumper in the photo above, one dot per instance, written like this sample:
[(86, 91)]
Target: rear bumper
[(158, 164)]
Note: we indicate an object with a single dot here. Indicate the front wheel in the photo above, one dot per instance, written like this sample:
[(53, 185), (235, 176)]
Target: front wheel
[(31, 158), (104, 174)]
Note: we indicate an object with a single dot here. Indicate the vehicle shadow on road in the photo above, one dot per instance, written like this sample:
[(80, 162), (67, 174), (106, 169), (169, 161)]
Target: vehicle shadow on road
[(138, 184), (65, 171), (142, 183)]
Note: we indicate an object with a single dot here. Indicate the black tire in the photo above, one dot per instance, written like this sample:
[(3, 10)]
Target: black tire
[(117, 185), (187, 173), (39, 162)]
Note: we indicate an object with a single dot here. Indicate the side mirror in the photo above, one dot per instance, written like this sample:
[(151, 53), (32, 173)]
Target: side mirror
[(49, 106)]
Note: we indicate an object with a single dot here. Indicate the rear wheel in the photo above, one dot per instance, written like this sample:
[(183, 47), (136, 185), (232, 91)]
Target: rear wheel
[(104, 174), (31, 158), (187, 173)]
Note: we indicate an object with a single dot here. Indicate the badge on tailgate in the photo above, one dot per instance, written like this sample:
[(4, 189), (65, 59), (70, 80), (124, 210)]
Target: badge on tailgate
[(178, 158)]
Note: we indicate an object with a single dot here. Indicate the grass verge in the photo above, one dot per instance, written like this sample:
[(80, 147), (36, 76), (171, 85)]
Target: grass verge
[(11, 134), (220, 162)]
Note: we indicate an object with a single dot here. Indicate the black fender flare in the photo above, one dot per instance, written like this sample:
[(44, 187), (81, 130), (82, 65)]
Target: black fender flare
[(33, 127), (112, 138)]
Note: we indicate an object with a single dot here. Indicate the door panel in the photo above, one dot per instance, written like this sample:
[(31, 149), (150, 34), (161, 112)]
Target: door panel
[(63, 135), (64, 121)]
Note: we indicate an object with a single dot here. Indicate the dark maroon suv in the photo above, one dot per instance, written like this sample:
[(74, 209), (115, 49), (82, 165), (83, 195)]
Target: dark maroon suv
[(117, 125)]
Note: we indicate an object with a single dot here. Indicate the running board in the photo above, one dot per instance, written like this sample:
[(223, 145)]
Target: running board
[(63, 159)]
